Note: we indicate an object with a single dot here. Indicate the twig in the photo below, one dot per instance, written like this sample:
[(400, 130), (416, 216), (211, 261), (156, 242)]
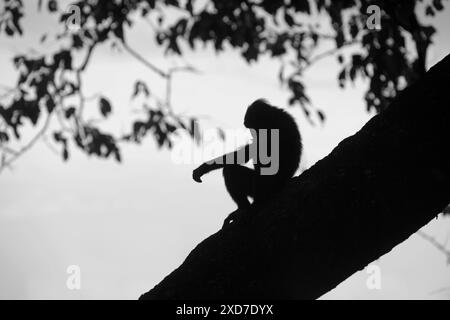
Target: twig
[(187, 68), (435, 243), (169, 91), (93, 97), (83, 66), (168, 76), (49, 145), (59, 116), (8, 149), (327, 53), (7, 162), (14, 155), (79, 70), (144, 61)]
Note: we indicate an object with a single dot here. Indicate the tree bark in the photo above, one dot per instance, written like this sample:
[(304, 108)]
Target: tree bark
[(372, 192)]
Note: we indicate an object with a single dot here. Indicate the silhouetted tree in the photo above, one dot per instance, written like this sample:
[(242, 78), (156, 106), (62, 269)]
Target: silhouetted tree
[(373, 191)]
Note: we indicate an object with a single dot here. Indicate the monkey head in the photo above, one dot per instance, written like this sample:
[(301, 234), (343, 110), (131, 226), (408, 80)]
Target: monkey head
[(258, 115)]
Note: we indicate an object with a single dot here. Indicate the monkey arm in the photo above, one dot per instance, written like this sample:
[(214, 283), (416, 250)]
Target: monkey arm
[(240, 156)]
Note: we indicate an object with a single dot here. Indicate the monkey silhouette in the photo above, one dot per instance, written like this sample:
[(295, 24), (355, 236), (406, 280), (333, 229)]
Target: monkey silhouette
[(275, 151)]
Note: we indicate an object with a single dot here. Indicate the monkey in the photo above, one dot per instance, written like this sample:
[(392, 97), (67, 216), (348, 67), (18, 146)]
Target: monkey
[(272, 129)]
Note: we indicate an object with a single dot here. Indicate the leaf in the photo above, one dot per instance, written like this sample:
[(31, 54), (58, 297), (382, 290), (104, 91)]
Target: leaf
[(3, 137), (30, 109), (64, 59), (221, 134), (281, 74), (298, 93), (144, 12), (118, 31), (195, 131), (17, 26), (429, 31), (9, 31), (288, 18), (50, 104), (140, 87), (446, 211), (58, 136), (65, 153), (105, 107), (302, 6), (180, 27), (429, 11), (69, 112), (438, 5), (315, 38), (340, 38), (117, 155), (189, 6), (321, 116), (357, 61), (160, 20), (52, 5), (341, 77), (352, 73)]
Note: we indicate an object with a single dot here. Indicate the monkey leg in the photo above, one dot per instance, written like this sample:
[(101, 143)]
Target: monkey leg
[(239, 181)]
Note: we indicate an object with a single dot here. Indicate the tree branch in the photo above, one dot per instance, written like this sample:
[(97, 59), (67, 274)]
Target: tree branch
[(375, 189), (328, 53), (79, 71), (6, 162), (435, 243), (144, 61), (168, 76)]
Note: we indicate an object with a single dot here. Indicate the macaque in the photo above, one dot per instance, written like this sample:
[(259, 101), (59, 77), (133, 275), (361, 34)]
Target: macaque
[(275, 150)]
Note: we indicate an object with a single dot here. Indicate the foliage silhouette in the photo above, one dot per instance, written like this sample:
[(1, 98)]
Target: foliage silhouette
[(292, 31)]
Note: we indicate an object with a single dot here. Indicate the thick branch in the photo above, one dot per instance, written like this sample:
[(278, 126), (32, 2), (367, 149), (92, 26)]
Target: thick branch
[(371, 193)]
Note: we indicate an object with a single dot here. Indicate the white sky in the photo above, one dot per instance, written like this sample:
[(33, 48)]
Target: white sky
[(128, 225)]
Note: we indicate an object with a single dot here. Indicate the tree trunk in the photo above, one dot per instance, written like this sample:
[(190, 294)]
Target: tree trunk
[(372, 192)]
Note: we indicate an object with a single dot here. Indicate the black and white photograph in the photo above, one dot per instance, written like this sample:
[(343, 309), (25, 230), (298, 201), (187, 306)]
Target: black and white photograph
[(226, 155)]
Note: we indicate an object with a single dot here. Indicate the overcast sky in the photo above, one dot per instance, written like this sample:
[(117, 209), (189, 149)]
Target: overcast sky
[(128, 225)]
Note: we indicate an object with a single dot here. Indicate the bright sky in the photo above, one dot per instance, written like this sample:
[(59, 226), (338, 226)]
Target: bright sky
[(128, 225)]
